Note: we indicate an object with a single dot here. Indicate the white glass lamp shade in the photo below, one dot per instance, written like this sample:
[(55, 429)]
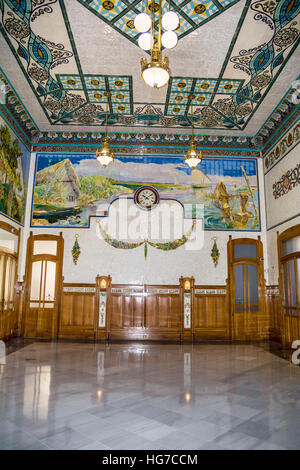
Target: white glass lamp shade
[(192, 161), (192, 158), (170, 21), (169, 39), (142, 22), (145, 41), (104, 159), (105, 156), (156, 77)]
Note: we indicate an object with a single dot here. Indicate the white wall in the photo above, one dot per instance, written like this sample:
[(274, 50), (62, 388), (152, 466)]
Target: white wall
[(129, 266)]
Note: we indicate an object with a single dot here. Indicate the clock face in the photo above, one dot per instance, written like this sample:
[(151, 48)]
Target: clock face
[(146, 197)]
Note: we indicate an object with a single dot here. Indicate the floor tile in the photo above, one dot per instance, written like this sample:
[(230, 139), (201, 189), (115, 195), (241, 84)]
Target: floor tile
[(65, 395)]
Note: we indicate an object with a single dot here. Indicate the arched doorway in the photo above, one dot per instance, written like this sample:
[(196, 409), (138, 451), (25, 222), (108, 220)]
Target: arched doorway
[(9, 250), (289, 283), (43, 279), (246, 281)]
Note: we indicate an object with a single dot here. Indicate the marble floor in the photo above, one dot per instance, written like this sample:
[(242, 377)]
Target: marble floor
[(148, 396)]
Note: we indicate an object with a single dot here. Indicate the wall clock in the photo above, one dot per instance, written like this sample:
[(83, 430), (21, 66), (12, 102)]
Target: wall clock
[(146, 197)]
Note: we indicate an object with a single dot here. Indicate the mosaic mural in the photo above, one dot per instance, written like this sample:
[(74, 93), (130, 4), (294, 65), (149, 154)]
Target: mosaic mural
[(14, 167), (69, 189), (228, 101)]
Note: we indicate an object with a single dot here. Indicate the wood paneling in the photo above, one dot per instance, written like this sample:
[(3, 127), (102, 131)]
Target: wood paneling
[(77, 317), (145, 312), (274, 311), (211, 318)]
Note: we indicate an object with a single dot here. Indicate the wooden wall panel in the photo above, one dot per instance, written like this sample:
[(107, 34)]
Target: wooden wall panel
[(77, 316), (211, 316), (273, 310), (137, 312)]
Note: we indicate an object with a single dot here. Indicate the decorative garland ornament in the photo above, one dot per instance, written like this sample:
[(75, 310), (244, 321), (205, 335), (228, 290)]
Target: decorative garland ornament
[(76, 250), (215, 254), (172, 245)]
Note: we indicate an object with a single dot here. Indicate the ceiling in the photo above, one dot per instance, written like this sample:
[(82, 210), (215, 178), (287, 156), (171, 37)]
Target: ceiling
[(238, 57)]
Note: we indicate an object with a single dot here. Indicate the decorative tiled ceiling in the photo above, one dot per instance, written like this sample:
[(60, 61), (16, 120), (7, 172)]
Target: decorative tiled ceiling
[(120, 14), (40, 37)]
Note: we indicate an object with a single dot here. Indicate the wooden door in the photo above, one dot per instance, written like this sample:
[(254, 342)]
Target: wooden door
[(9, 249), (8, 273), (289, 280), (248, 320), (43, 286)]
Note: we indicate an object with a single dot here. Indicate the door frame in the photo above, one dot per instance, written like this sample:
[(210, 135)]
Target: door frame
[(15, 255), (287, 322), (258, 261), (58, 259)]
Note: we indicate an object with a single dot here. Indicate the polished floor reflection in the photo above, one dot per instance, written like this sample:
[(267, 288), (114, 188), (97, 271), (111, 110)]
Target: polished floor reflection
[(135, 396)]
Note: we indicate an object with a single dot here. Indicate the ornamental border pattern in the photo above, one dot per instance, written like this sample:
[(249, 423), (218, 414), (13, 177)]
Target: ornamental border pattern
[(289, 122), (287, 182), (270, 290), (82, 290), (210, 291), (147, 151), (290, 139)]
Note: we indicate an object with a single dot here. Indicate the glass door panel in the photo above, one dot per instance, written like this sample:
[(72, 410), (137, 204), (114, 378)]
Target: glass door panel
[(291, 286), (239, 287), (42, 292), (49, 291), (253, 287)]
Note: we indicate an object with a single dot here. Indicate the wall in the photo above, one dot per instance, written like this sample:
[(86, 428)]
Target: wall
[(282, 211), (129, 266)]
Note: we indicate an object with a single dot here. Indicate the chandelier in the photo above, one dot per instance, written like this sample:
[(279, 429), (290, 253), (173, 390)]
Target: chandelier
[(105, 156), (192, 158), (156, 72)]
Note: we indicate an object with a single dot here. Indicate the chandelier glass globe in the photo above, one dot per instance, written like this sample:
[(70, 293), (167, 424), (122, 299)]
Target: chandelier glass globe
[(170, 21), (145, 41), (169, 39), (142, 22)]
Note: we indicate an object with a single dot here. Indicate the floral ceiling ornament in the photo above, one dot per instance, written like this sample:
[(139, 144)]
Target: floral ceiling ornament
[(76, 250), (215, 254), (171, 245)]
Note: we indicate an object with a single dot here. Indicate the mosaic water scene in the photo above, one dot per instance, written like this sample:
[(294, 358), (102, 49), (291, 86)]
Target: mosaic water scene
[(69, 189)]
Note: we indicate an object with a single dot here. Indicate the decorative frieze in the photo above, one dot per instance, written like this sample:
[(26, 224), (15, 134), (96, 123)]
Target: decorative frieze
[(286, 143), (79, 289), (163, 291), (210, 291), (127, 291), (271, 290)]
